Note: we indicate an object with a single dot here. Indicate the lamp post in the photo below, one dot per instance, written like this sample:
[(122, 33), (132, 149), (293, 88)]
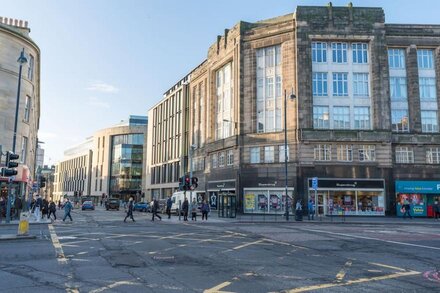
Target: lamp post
[(191, 153), (292, 97)]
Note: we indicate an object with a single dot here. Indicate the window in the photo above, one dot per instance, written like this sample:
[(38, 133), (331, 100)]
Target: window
[(269, 154), (319, 84), (396, 58), (255, 155), (360, 84), (321, 117), (340, 87), (433, 156), (269, 89), (404, 155), (224, 86), (427, 88), (344, 153), (399, 120), (230, 159), (31, 68), (429, 121), (360, 53), (319, 52), (282, 154), (323, 152), (341, 117), (367, 153), (24, 145), (339, 52), (362, 118), (214, 159), (27, 109), (425, 59), (398, 88), (221, 159)]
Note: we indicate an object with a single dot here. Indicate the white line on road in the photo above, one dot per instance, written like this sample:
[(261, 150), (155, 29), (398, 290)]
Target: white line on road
[(340, 276), (56, 243), (376, 239), (115, 284), (247, 244), (217, 288)]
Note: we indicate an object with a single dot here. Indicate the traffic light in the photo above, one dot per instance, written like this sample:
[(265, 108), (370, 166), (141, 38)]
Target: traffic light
[(42, 182), (181, 183), (187, 183), (194, 183), (8, 171)]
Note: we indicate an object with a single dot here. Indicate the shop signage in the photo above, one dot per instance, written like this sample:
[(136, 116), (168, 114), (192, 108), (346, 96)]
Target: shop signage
[(267, 184), (418, 186), (217, 185), (348, 183)]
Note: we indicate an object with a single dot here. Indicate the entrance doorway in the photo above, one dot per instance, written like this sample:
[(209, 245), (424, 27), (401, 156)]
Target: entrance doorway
[(227, 205)]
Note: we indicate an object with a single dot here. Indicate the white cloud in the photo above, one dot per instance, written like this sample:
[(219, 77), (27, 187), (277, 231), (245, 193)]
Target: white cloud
[(102, 87), (46, 135), (96, 102)]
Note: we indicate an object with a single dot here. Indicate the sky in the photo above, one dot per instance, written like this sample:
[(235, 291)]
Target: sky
[(103, 60)]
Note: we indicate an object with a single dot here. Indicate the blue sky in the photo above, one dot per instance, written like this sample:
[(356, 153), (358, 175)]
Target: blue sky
[(103, 60)]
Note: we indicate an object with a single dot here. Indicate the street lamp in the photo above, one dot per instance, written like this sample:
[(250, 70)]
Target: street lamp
[(292, 97), (21, 60)]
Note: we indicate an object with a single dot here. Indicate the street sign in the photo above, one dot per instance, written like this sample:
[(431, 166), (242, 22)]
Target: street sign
[(315, 183)]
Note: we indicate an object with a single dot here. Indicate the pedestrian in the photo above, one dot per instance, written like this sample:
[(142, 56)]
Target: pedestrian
[(185, 207), (205, 210), (2, 207), (130, 210), (18, 205), (52, 210), (155, 209), (406, 209), (45, 209), (169, 205), (37, 207), (436, 210), (67, 210), (193, 208), (311, 209), (298, 211), (59, 204)]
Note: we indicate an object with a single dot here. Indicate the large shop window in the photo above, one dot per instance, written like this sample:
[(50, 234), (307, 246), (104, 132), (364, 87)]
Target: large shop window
[(262, 201), (361, 203)]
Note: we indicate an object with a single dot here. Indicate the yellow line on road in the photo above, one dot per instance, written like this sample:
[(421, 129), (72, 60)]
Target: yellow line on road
[(340, 276), (217, 288), (56, 243), (387, 266), (351, 282)]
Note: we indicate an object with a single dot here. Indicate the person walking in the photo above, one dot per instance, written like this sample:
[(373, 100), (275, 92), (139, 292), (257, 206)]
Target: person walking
[(59, 204), (185, 207), (52, 210), (205, 210), (436, 210), (130, 210), (311, 209), (18, 206), (193, 208), (298, 211), (45, 209), (37, 207), (2, 207), (155, 209), (406, 208), (67, 210), (169, 205)]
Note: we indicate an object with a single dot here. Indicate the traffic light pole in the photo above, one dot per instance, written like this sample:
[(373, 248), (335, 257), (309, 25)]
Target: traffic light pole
[(8, 206)]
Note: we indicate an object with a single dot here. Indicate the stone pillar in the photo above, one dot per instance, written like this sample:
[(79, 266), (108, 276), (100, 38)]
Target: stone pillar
[(412, 80), (437, 79)]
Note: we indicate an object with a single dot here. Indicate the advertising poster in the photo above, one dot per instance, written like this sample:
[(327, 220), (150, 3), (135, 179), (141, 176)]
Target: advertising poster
[(274, 202), (417, 202), (213, 200), (249, 202), (262, 202)]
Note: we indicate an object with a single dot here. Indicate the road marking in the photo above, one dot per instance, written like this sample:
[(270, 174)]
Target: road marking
[(56, 243), (247, 244), (377, 239), (351, 282), (115, 284), (173, 236), (217, 288), (284, 243), (340, 276), (387, 266)]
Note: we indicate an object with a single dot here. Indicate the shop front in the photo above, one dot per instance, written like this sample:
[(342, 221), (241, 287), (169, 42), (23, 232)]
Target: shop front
[(215, 188), (421, 196), (266, 199), (350, 197)]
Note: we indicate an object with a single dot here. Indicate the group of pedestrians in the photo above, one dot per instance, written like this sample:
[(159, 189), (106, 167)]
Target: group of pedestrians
[(43, 209)]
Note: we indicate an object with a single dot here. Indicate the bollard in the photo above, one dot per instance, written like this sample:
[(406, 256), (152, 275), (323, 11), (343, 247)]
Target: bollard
[(23, 226)]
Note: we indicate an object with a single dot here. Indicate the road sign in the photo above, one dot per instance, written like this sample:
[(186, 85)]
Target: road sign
[(315, 183)]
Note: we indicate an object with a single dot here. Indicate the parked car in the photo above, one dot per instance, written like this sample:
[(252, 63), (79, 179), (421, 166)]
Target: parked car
[(141, 206), (88, 205), (112, 204)]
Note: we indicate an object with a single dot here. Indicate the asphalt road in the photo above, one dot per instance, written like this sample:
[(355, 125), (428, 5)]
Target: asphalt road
[(100, 253)]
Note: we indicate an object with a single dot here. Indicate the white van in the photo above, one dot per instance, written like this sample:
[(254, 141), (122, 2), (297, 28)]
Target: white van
[(179, 196)]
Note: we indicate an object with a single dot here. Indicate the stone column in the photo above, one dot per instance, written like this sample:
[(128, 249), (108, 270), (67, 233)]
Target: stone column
[(412, 80)]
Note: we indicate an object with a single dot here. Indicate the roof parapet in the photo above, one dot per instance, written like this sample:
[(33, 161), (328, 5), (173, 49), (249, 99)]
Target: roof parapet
[(14, 22)]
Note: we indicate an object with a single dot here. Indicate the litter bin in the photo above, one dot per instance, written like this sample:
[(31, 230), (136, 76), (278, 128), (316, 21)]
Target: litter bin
[(23, 226), (298, 215)]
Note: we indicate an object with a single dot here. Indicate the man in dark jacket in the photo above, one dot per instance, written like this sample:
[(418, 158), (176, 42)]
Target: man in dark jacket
[(18, 205), (130, 210), (185, 207), (169, 205), (67, 209), (52, 210), (154, 209), (436, 210)]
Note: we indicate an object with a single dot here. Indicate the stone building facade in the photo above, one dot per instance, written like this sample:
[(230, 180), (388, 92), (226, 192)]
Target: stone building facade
[(14, 38), (364, 121)]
